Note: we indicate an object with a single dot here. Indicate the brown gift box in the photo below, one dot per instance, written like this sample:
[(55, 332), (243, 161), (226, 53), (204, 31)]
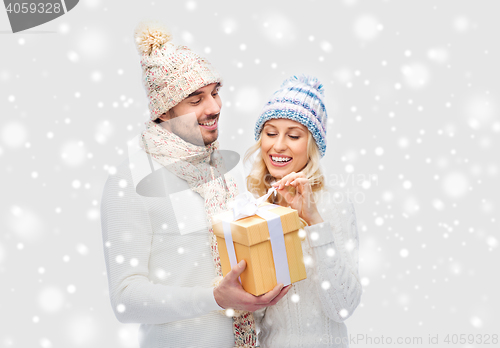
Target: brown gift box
[(252, 244)]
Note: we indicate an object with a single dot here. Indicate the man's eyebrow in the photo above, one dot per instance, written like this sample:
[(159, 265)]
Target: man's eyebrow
[(195, 93)]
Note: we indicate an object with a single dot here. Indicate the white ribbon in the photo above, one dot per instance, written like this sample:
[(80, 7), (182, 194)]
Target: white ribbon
[(226, 226), (246, 205)]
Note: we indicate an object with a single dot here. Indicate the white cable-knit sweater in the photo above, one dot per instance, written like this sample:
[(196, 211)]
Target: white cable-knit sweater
[(313, 312), (158, 260)]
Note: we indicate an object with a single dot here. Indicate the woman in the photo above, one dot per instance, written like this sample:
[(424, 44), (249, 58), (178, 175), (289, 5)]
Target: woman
[(291, 134)]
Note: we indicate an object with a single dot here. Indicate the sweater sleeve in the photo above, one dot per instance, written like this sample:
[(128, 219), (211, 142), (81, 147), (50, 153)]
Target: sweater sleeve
[(127, 236), (334, 244)]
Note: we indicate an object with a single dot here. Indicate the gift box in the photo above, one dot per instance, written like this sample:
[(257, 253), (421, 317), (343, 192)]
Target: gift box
[(253, 242)]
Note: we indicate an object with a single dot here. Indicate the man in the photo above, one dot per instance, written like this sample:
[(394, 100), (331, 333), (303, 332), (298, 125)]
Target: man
[(161, 255)]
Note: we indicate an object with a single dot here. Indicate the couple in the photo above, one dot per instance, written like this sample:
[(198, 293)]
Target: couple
[(161, 254)]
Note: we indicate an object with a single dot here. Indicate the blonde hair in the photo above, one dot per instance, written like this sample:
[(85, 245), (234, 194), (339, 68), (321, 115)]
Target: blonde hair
[(259, 180)]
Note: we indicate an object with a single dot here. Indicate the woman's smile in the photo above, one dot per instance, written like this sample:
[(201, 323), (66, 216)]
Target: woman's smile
[(280, 160)]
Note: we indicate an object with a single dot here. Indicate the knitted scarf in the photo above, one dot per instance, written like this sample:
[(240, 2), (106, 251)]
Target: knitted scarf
[(203, 170)]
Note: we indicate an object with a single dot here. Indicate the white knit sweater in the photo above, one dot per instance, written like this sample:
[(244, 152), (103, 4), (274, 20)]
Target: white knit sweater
[(159, 263), (313, 312)]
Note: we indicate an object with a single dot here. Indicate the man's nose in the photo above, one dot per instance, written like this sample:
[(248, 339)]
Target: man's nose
[(213, 107)]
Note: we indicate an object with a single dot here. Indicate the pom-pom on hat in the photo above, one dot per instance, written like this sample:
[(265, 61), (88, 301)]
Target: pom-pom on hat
[(170, 73), (300, 98)]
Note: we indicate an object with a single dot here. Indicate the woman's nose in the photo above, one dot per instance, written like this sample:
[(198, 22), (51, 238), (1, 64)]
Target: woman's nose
[(280, 144)]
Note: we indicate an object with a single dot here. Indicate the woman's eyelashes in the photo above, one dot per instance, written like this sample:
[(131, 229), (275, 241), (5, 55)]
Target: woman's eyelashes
[(294, 137)]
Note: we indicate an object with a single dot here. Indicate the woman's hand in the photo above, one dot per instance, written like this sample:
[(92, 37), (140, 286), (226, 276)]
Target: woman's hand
[(303, 200)]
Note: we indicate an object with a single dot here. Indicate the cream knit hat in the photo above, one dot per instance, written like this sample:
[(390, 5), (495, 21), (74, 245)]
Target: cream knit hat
[(170, 73)]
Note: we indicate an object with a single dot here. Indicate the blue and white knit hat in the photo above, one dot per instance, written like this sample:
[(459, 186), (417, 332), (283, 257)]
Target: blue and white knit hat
[(300, 98)]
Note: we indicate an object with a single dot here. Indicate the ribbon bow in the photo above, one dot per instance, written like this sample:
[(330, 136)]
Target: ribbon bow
[(245, 204)]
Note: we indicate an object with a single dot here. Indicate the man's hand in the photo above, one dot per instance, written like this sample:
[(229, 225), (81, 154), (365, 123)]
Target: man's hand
[(230, 293)]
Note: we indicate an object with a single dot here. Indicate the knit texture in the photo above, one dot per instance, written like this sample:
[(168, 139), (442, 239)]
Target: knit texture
[(201, 168), (300, 98), (159, 276), (313, 312), (170, 73)]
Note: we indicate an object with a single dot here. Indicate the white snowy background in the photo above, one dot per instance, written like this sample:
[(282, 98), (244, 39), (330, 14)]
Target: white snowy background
[(412, 92)]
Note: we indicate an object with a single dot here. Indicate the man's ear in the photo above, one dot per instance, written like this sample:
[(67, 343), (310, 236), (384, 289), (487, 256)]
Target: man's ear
[(167, 115), (163, 117)]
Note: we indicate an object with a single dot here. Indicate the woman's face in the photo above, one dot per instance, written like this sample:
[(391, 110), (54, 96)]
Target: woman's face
[(284, 146)]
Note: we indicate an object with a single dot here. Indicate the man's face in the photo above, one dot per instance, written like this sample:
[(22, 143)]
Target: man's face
[(196, 118)]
